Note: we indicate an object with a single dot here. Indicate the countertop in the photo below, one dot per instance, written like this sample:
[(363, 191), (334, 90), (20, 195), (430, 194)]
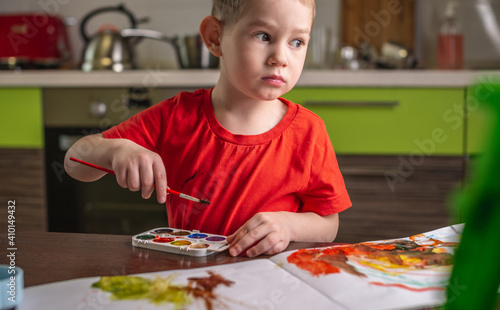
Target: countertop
[(152, 78)]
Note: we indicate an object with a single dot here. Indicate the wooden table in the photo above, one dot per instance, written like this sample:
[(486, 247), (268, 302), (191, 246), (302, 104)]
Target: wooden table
[(50, 257)]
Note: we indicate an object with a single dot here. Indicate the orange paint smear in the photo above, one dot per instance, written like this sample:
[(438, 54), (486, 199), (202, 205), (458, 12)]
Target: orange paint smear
[(393, 257), (305, 259), (435, 288)]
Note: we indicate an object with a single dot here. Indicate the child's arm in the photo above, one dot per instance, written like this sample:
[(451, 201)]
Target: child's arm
[(136, 167), (271, 232)]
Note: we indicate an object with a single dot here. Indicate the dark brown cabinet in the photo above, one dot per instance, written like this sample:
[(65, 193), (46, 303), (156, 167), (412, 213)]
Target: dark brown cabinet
[(22, 181), (394, 196)]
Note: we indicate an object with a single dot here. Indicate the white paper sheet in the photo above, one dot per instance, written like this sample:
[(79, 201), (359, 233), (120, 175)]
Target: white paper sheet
[(259, 284)]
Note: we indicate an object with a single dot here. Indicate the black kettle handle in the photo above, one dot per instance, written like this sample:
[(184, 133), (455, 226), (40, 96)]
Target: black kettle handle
[(120, 8)]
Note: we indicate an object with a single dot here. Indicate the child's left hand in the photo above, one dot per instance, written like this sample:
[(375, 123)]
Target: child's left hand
[(265, 233)]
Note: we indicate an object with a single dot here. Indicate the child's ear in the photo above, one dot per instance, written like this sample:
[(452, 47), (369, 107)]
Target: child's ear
[(211, 31)]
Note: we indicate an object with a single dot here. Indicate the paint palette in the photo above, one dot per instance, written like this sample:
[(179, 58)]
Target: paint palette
[(180, 241)]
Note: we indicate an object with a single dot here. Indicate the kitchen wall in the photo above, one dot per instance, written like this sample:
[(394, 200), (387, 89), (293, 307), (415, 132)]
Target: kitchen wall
[(479, 20), (168, 16)]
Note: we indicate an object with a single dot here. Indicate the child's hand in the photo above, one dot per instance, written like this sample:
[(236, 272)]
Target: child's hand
[(138, 168), (265, 233)]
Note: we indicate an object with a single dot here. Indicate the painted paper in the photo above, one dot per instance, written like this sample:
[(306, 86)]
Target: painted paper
[(387, 274), (252, 285), (405, 273)]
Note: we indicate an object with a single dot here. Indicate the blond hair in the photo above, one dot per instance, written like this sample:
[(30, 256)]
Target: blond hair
[(228, 11)]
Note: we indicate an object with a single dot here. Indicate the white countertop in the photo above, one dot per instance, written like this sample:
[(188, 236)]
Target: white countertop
[(208, 78)]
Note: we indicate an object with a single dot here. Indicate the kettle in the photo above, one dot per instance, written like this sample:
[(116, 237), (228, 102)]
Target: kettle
[(107, 50), (111, 49)]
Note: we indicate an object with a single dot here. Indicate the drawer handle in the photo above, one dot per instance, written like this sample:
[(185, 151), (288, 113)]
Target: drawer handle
[(368, 171), (352, 103)]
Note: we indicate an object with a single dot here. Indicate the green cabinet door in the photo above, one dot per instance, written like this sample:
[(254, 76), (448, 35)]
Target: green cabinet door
[(380, 121), (21, 118), (480, 118)]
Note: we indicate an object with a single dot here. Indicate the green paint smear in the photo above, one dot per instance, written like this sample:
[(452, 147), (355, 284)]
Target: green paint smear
[(157, 291)]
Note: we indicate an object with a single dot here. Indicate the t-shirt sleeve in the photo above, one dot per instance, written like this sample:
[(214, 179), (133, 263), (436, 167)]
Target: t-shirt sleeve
[(325, 192), (143, 128)]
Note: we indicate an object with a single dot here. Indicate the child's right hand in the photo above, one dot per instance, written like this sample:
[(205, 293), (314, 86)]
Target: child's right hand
[(138, 168)]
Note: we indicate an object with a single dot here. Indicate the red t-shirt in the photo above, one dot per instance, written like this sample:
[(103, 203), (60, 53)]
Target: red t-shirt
[(292, 167)]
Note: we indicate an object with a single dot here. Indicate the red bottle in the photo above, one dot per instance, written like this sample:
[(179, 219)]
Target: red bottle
[(450, 41)]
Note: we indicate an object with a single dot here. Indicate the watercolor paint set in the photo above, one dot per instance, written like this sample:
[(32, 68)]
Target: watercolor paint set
[(180, 241)]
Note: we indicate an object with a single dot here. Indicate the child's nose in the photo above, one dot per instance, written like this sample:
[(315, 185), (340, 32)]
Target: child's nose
[(278, 56)]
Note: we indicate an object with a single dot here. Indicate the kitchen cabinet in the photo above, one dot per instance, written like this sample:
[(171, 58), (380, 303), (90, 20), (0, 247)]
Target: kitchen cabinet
[(21, 158), (388, 120), (400, 136), (21, 120), (400, 151), (391, 197), (479, 119)]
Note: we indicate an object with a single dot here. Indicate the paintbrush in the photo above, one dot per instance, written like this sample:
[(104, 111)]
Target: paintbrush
[(170, 191)]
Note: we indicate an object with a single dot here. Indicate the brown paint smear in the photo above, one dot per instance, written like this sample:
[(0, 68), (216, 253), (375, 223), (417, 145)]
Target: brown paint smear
[(203, 287)]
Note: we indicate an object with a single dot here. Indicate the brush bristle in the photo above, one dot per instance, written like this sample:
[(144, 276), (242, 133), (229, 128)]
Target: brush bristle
[(205, 201)]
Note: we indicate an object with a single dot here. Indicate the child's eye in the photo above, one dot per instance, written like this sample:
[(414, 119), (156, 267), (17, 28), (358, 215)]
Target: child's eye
[(263, 36), (297, 43)]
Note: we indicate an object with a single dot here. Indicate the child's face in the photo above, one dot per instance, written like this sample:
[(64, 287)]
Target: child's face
[(264, 51)]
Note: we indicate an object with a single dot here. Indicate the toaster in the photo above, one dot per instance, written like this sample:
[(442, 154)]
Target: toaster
[(33, 41)]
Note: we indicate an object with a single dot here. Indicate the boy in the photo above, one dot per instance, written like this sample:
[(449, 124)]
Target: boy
[(266, 164)]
